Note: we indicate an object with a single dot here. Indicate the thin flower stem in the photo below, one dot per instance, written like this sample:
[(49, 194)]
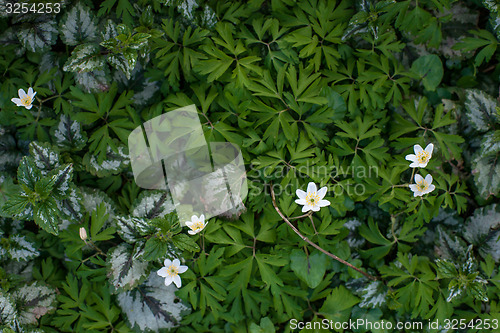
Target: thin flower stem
[(273, 198), (312, 222), (301, 216), (412, 174)]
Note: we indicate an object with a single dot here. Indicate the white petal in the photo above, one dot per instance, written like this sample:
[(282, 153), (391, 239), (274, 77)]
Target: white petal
[(176, 263), (311, 188), (417, 194), (192, 232), (168, 280), (431, 188), (189, 224), (428, 179), (315, 208), (29, 106), (429, 148), (30, 92), (202, 218), (167, 262), (21, 93), (306, 208), (423, 165), (323, 203), (17, 101), (300, 201), (194, 218), (301, 194), (322, 192), (182, 269), (417, 149), (414, 165), (418, 178), (413, 187), (163, 272), (177, 281), (411, 157)]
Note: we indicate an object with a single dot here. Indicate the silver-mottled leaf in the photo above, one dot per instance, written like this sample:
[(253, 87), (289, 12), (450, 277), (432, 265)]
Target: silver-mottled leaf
[(151, 204), (94, 81), (482, 231), (69, 134), (152, 306), (480, 109), (78, 26), (114, 163), (44, 156), (132, 229), (8, 312), (84, 58), (34, 301), (20, 249), (92, 198), (126, 269), (373, 295), (38, 37)]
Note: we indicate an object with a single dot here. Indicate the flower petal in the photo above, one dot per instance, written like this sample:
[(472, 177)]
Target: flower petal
[(300, 201), (431, 188), (411, 157), (413, 187), (21, 93), (306, 208), (17, 101), (324, 203), (163, 272), (417, 149), (29, 106), (168, 280), (417, 194), (428, 179), (30, 92), (177, 281), (188, 224), (194, 218), (414, 165), (418, 178), (182, 269), (429, 148), (176, 263), (311, 188), (167, 262), (322, 192), (315, 208), (301, 194), (192, 232), (202, 218)]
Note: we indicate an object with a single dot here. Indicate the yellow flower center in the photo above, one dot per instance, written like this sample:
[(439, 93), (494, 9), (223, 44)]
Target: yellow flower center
[(172, 271), (423, 157), (312, 199), (422, 186), (197, 226), (26, 100)]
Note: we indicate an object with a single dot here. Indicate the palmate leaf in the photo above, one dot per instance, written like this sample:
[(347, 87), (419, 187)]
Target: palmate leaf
[(152, 307), (126, 268), (78, 26), (309, 269)]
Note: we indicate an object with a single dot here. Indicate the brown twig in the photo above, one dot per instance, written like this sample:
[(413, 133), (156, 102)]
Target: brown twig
[(371, 277)]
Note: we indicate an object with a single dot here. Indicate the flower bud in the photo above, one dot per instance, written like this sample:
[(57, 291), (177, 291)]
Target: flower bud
[(83, 234)]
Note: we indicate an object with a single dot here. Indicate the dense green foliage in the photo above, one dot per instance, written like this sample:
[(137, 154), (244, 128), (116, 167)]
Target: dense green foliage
[(335, 92)]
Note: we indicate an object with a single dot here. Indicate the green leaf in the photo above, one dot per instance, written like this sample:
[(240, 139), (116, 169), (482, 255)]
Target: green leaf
[(47, 216), (429, 69), (185, 243), (69, 135), (309, 269), (481, 110), (37, 37), (337, 305)]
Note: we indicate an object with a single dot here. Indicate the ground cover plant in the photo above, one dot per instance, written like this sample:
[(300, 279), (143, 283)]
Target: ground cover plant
[(370, 136)]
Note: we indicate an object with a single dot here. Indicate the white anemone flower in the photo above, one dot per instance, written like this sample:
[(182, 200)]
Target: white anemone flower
[(422, 186), (197, 224), (171, 272), (421, 156), (313, 199), (25, 99)]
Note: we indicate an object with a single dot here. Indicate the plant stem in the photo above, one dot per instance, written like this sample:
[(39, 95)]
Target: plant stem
[(371, 277)]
